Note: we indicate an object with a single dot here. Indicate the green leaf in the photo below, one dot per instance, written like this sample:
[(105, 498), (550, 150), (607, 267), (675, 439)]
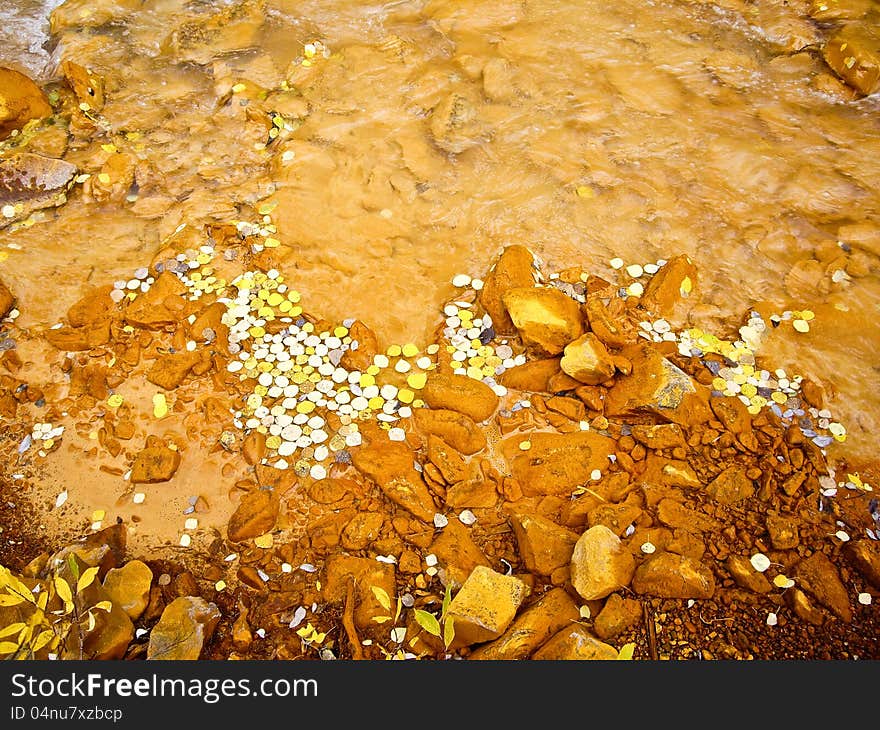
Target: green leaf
[(428, 622), (382, 597), (448, 631), (447, 599), (626, 652), (86, 579), (74, 566)]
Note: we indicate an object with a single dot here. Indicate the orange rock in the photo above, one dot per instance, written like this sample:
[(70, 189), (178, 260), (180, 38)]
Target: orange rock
[(676, 280), (617, 615), (616, 517), (362, 530), (667, 575), (93, 309), (661, 436), (456, 429), (514, 269), (853, 53), (279, 480), (557, 463), (551, 613), (533, 376), (569, 407), (254, 447), (674, 514), (575, 643), (325, 533), (587, 361), (659, 470), (546, 319), (330, 490), (7, 300), (612, 332), (472, 493), (745, 575), (169, 371), (88, 88), (731, 486), (114, 180), (154, 464), (255, 515), (543, 545), (460, 393), (20, 101), (390, 465), (600, 564), (75, 339), (818, 577), (362, 356), (30, 182), (457, 554), (485, 606), (150, 309), (208, 327), (449, 462), (367, 574), (180, 634)]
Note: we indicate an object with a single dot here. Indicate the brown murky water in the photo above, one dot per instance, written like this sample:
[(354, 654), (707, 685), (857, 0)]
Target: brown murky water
[(436, 132)]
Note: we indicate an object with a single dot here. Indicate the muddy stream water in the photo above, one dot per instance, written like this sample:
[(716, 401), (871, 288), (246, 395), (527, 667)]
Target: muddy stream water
[(436, 132)]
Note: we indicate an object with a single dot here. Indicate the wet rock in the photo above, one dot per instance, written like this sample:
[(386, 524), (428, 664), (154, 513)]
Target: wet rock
[(731, 486), (75, 339), (675, 515), (513, 270), (231, 30), (659, 437), (362, 530), (575, 643), (460, 393), (449, 462), (330, 490), (242, 636), (361, 357), (7, 300), (169, 371), (255, 515), (587, 361), (456, 429), (366, 574), (86, 86), (325, 533), (92, 309), (548, 615), (151, 309), (129, 587), (667, 575), (616, 517), (783, 532), (154, 464), (90, 14), (836, 10), (455, 125), (546, 319), (676, 280), (476, 493), (485, 605), (745, 575), (617, 615), (543, 545), (254, 447), (390, 465), (105, 549), (817, 576), (865, 556), (186, 624), (655, 386), (21, 100), (29, 182), (111, 636), (533, 376), (557, 463), (571, 408), (611, 331), (600, 564), (209, 329), (457, 554), (853, 53)]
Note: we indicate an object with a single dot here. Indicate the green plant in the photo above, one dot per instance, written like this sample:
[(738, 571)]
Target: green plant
[(444, 627)]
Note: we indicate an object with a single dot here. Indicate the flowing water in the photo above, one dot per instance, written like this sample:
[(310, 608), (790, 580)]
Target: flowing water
[(438, 131)]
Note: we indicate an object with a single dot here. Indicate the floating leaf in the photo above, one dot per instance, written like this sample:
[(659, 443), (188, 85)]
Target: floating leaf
[(86, 579), (428, 622), (11, 629), (63, 589), (43, 638), (626, 651), (448, 631), (382, 597), (103, 606)]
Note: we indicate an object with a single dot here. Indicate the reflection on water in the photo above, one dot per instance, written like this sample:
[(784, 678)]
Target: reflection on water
[(437, 132)]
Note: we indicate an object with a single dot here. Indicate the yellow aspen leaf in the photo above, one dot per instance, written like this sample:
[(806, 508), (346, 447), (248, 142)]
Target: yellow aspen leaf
[(91, 621), (68, 607), (24, 636), (626, 651), (8, 647), (43, 638), (10, 599), (62, 588), (398, 609), (86, 579), (428, 622), (382, 597), (42, 601), (448, 631), (103, 606), (21, 589), (381, 619), (11, 629)]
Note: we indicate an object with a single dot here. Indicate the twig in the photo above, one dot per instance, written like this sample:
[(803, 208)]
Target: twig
[(651, 630), (348, 622)]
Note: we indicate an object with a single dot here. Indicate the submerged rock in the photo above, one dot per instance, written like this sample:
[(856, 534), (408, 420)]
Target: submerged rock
[(186, 624), (853, 53), (255, 515), (154, 464), (21, 100), (390, 465), (233, 29), (29, 182), (129, 587), (456, 429), (7, 300), (555, 463), (460, 393)]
